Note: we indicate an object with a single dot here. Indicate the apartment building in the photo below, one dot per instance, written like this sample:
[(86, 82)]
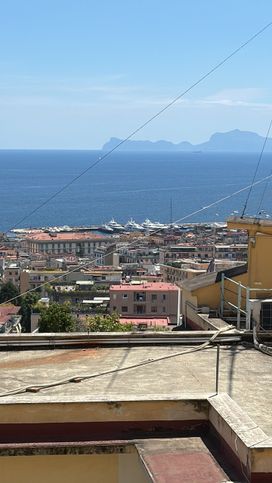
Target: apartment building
[(179, 272), (11, 274), (145, 299), (31, 279), (80, 244)]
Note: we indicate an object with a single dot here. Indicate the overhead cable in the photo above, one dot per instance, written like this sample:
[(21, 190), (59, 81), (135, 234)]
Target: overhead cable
[(257, 169)]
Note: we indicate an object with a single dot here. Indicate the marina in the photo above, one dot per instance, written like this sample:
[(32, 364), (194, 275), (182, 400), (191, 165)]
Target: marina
[(113, 227)]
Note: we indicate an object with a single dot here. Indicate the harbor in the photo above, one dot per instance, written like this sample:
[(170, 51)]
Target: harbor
[(113, 226)]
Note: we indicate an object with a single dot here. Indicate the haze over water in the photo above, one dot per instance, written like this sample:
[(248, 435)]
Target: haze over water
[(125, 185)]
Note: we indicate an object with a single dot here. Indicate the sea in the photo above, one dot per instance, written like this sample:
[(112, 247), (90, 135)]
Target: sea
[(161, 186)]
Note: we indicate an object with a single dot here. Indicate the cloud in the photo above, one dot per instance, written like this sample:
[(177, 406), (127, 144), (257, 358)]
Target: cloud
[(112, 92)]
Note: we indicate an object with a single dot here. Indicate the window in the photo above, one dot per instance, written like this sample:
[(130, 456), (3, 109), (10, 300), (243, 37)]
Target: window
[(125, 295), (140, 296), (154, 309), (163, 309), (153, 297), (124, 308), (163, 296), (139, 309)]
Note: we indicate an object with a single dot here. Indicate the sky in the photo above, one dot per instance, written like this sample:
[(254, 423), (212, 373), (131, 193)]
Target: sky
[(74, 74)]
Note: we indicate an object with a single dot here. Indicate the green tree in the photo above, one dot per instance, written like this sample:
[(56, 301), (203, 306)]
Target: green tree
[(9, 291), (106, 323), (27, 303), (56, 318)]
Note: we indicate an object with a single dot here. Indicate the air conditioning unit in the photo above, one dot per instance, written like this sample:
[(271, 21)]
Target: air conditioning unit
[(261, 312)]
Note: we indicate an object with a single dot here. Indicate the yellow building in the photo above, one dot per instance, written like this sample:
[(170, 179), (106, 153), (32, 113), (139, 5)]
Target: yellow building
[(240, 294)]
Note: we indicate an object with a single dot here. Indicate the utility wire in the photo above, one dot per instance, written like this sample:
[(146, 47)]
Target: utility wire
[(257, 168), (266, 185), (161, 111), (91, 262)]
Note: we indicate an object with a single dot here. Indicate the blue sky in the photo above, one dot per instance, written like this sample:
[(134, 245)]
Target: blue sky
[(74, 74)]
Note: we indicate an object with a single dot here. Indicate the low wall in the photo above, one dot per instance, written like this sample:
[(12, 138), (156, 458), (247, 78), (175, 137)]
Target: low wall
[(241, 439), (96, 439)]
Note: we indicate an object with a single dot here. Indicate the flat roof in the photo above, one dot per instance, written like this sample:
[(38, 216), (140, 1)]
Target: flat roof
[(245, 374), (47, 237), (144, 287)]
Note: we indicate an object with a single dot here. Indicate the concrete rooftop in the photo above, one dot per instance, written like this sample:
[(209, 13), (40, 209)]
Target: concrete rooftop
[(245, 374)]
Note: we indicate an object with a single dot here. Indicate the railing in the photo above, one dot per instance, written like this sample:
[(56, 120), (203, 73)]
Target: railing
[(241, 308)]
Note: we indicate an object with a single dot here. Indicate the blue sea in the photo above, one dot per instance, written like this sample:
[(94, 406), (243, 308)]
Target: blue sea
[(124, 185)]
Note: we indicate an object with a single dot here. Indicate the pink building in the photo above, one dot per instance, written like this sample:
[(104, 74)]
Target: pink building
[(145, 299)]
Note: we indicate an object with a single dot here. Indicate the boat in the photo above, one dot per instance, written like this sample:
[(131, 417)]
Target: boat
[(154, 225), (106, 228), (131, 225), (115, 226)]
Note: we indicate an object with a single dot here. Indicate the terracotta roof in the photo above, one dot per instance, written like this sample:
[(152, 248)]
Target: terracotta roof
[(47, 237), (148, 287), (6, 311)]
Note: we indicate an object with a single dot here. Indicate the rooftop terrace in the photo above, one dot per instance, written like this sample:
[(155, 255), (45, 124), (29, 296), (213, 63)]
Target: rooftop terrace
[(245, 374)]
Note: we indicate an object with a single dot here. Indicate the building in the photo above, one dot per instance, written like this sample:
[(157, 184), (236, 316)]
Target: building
[(240, 295), (12, 274), (179, 271), (32, 279), (145, 299), (204, 251), (80, 244), (10, 318), (104, 275)]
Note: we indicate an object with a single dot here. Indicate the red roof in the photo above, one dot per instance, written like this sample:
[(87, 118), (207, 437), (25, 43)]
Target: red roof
[(47, 237), (6, 311), (145, 287), (149, 321)]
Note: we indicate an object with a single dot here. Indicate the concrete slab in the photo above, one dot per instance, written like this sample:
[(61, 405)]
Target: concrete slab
[(245, 374)]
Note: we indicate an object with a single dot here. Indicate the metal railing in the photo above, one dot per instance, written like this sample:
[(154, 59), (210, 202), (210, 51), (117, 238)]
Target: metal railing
[(242, 308)]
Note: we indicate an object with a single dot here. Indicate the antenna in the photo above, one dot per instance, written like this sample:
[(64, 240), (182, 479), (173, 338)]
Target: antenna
[(171, 211)]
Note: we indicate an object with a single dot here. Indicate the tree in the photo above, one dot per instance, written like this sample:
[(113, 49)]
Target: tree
[(106, 323), (27, 303), (56, 318), (9, 291)]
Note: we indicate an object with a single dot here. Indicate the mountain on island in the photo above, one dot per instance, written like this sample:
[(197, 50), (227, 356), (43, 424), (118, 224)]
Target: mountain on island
[(231, 141)]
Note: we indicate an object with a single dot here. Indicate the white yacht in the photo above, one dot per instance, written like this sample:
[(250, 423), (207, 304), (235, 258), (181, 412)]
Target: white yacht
[(115, 226), (131, 225), (153, 225), (107, 228)]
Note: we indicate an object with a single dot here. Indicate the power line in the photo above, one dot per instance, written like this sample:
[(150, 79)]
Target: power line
[(189, 215), (257, 168), (266, 185), (161, 111)]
